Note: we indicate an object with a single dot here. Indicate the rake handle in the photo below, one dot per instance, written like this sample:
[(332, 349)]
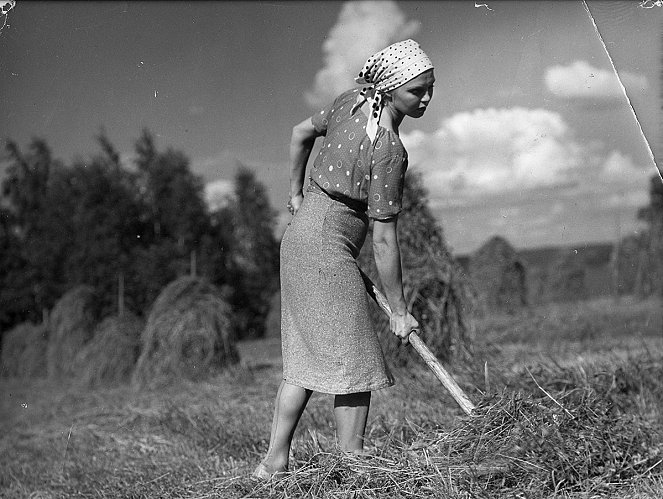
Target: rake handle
[(431, 361)]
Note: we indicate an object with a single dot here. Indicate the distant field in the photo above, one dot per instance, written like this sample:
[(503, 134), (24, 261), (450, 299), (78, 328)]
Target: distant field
[(200, 440)]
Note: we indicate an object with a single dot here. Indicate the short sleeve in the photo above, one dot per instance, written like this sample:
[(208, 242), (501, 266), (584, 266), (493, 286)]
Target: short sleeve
[(321, 119), (385, 194)]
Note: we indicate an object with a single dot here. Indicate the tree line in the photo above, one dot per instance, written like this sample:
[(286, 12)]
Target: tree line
[(129, 228)]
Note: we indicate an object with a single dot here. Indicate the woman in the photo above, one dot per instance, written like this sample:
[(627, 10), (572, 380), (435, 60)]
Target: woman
[(328, 341)]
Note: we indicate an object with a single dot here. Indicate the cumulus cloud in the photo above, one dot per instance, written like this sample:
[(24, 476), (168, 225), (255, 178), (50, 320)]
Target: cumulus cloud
[(584, 81), (490, 151), (500, 153), (514, 171), (362, 28)]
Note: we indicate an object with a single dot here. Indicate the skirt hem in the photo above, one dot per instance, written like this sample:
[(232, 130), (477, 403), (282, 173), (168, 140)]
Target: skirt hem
[(321, 389)]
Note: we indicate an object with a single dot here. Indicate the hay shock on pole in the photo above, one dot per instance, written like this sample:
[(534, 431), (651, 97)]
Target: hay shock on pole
[(440, 372)]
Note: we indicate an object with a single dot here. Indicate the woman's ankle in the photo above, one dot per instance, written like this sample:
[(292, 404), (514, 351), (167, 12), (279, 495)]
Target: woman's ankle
[(275, 464)]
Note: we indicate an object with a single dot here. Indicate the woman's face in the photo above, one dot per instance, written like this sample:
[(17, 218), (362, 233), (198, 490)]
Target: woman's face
[(412, 97)]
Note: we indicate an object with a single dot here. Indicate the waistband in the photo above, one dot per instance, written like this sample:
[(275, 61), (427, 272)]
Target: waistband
[(351, 203)]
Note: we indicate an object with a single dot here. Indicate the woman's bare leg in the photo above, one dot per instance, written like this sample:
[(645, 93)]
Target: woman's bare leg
[(288, 408), (351, 413)]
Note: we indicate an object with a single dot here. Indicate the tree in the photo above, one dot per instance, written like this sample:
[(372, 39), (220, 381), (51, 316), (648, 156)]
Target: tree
[(25, 290), (175, 212), (254, 255), (106, 225), (172, 194)]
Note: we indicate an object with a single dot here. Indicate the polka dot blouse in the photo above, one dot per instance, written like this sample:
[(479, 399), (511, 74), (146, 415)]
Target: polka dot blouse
[(353, 168)]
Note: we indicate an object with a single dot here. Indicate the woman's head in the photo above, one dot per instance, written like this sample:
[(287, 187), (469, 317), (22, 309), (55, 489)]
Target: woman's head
[(394, 66), (401, 74)]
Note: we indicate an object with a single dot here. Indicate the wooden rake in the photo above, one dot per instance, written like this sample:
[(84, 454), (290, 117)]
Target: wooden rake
[(440, 372)]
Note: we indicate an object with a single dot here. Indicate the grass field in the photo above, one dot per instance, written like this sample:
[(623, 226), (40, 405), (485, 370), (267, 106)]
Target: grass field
[(569, 405)]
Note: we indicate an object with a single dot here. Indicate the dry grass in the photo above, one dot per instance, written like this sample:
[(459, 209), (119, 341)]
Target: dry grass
[(596, 430), (188, 334), (24, 351)]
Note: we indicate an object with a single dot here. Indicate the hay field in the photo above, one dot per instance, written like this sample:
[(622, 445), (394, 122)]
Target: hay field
[(569, 405)]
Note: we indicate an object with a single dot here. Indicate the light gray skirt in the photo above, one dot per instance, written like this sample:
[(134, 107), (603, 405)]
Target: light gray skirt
[(328, 340)]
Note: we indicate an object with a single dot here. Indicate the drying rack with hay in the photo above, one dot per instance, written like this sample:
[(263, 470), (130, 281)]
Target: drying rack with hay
[(71, 326), (24, 351), (499, 276), (110, 357), (439, 292), (188, 334), (567, 278)]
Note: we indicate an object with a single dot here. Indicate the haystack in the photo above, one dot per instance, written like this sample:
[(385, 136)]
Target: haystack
[(71, 326), (188, 334), (111, 355), (567, 278), (435, 284), (499, 276), (24, 351)]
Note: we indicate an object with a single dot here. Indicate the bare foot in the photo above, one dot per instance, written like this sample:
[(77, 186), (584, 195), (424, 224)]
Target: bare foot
[(264, 472)]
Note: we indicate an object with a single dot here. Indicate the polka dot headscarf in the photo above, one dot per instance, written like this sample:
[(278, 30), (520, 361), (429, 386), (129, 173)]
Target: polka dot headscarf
[(386, 70)]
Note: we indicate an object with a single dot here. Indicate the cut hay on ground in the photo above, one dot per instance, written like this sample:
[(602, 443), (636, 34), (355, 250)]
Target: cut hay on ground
[(71, 325), (562, 429), (437, 288), (188, 334), (24, 351), (110, 357), (557, 433), (499, 276)]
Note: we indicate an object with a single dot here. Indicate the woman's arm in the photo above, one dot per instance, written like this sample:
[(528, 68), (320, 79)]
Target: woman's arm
[(301, 144), (388, 260)]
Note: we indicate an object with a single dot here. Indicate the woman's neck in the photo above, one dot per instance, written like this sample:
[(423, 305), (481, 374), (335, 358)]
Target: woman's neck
[(390, 118)]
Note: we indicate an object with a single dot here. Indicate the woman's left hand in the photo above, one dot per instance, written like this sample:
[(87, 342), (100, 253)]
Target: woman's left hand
[(295, 202)]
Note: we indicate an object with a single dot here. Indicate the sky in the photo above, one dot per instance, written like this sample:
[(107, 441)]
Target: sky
[(543, 128)]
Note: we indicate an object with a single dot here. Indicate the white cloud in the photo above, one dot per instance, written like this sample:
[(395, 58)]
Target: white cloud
[(620, 168), (582, 80), (521, 173), (491, 151), (362, 28), (518, 155), (218, 193)]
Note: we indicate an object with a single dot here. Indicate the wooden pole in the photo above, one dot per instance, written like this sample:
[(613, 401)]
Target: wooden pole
[(120, 294), (193, 263), (440, 373)]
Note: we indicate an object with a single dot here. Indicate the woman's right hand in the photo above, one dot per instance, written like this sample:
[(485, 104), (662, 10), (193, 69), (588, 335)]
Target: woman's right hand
[(295, 202), (402, 325)]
